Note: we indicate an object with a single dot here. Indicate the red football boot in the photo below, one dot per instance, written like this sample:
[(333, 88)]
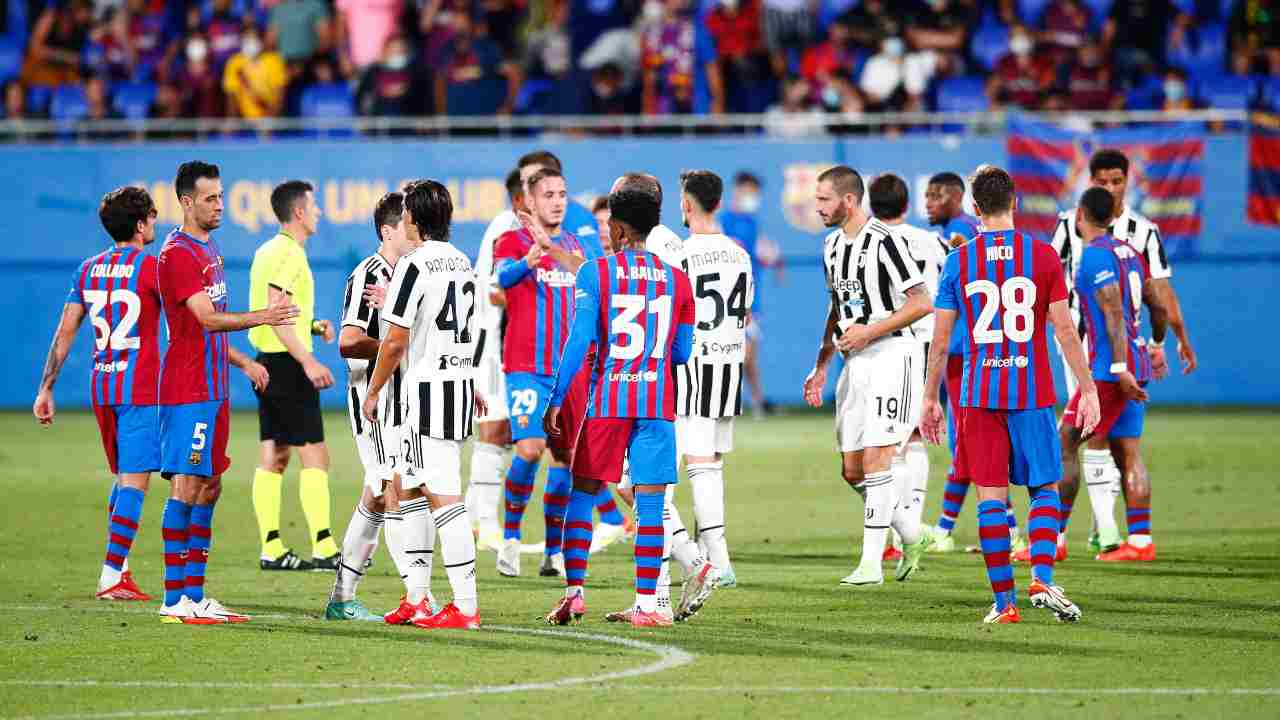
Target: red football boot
[(891, 554), (1129, 553), (450, 618), (402, 615), (568, 610), (126, 589)]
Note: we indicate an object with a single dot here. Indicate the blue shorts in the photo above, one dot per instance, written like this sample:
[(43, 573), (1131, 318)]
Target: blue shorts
[(1131, 421), (1002, 447), (650, 444), (193, 439), (528, 395), (130, 437)]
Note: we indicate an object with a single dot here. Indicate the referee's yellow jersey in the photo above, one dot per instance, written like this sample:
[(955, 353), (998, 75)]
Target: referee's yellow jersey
[(282, 262)]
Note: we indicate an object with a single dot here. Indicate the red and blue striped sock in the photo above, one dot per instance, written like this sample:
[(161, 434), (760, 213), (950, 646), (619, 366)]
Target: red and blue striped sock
[(993, 530), (174, 523), (519, 488), (952, 500), (112, 497), (126, 511), (1011, 518), (607, 508), (199, 538), (1042, 531), (1138, 520), (648, 547), (577, 537), (555, 501)]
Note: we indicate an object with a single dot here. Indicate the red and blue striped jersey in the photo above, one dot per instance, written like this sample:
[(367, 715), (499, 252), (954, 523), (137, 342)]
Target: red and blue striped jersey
[(118, 290), (196, 363), (1108, 261), (1001, 284), (539, 303)]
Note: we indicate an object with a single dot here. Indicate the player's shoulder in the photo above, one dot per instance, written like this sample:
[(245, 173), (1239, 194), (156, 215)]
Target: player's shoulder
[(877, 228)]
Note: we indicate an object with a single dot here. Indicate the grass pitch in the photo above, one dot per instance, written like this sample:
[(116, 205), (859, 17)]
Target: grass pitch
[(1195, 634)]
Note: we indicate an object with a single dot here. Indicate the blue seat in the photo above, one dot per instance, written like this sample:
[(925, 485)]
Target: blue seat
[(1203, 52), (68, 106), (989, 44), (1031, 11), (829, 10), (38, 99), (133, 100), (1099, 9), (1269, 94), (1146, 95), (328, 101), (1226, 92), (962, 94), (10, 58)]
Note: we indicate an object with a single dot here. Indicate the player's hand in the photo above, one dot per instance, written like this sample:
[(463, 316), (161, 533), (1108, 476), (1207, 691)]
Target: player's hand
[(482, 406), (1187, 356), (281, 312), (258, 375), (1130, 387), (1087, 412), (1159, 363), (534, 255), (375, 295), (932, 420), (551, 421), (498, 298), (326, 330), (44, 407), (539, 233), (854, 339), (814, 384), (370, 407), (318, 374)]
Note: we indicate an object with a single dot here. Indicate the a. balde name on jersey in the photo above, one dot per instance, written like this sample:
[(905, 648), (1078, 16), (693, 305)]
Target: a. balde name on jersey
[(556, 278), (642, 272), (111, 271), (1018, 361), (721, 256)]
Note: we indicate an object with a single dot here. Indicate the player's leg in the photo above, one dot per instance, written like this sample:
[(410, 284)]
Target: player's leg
[(484, 488), (1125, 444), (358, 545), (313, 493), (268, 480), (174, 524), (917, 461), (527, 405), (200, 529), (705, 441), (652, 446), (555, 503), (438, 466), (1036, 464), (983, 453), (134, 433), (1069, 438), (957, 484)]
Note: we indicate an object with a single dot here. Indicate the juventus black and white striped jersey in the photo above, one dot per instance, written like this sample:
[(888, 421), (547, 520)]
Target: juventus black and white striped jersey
[(356, 311), (929, 251), (868, 275), (433, 295), (710, 384)]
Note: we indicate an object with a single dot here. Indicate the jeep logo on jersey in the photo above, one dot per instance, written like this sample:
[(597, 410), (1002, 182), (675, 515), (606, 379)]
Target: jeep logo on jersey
[(455, 361), (1018, 361), (849, 285)]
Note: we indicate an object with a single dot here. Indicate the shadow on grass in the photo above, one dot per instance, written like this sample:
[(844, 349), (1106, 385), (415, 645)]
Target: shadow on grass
[(486, 641)]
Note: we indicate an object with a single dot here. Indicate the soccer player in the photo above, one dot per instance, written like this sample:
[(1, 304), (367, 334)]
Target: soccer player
[(709, 386), (889, 202), (195, 392), (876, 293), (741, 223), (289, 406), (377, 443), (1113, 283), (430, 311), (117, 290), (1109, 170), (649, 310), (1006, 287)]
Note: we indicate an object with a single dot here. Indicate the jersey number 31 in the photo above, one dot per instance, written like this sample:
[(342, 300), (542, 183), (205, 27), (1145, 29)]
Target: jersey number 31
[(625, 326)]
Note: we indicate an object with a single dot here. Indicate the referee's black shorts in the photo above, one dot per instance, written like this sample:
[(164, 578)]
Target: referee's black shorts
[(289, 408)]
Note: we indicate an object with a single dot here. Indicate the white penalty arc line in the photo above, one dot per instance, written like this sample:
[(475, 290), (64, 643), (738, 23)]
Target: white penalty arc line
[(922, 690)]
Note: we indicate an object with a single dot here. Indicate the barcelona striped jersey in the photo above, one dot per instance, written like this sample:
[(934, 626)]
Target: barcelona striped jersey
[(1001, 283), (1108, 261), (640, 313), (967, 227), (197, 362), (539, 303), (117, 288)]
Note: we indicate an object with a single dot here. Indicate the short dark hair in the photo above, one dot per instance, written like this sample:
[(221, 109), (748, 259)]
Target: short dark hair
[(600, 203), (948, 179), (191, 171), (387, 212), (746, 178), (545, 158), (647, 180), (543, 174), (889, 196), (514, 187), (122, 209), (704, 186), (635, 203), (992, 190), (845, 180), (1098, 206), (1108, 159), (286, 196), (431, 208)]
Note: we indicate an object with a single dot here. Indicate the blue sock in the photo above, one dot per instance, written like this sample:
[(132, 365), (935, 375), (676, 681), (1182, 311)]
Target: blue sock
[(126, 510), (519, 488), (993, 531), (111, 498), (577, 537), (607, 508), (199, 534), (1011, 518), (648, 541), (174, 522), (1042, 531), (952, 500), (555, 501)]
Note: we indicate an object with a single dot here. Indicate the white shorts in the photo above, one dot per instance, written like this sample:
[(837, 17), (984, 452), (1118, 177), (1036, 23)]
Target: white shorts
[(702, 436), (378, 444), (879, 395), (490, 382), (432, 462)]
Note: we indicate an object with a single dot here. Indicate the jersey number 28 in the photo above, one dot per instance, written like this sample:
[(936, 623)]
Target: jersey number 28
[(1017, 296)]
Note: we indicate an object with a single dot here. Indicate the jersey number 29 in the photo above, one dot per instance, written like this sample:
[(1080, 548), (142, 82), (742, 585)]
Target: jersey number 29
[(1017, 296)]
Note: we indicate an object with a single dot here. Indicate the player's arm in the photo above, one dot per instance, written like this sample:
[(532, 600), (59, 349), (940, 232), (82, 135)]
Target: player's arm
[(355, 344), (685, 319), (586, 318), (256, 371), (317, 373), (542, 240), (1111, 301), (407, 290), (1069, 341), (390, 354), (918, 304), (1161, 273), (353, 340), (212, 320), (512, 268), (816, 380), (931, 417), (63, 337)]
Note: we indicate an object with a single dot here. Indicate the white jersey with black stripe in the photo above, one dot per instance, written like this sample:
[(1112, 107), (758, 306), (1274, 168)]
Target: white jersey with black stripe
[(358, 313), (929, 251), (868, 275), (719, 269), (433, 295)]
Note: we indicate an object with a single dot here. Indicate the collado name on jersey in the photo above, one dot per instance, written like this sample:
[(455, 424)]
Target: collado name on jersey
[(642, 272), (111, 271), (712, 257)]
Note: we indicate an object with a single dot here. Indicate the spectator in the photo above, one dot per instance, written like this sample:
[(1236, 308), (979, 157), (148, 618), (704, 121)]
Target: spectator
[(593, 18), (793, 117), (832, 58), (476, 80), (500, 20), (937, 32), (1066, 29), (1021, 78), (881, 81), (609, 93), (681, 74), (300, 29), (789, 28), (57, 41), (222, 29), (1255, 27), (151, 37), (364, 28), (1134, 34), (552, 86), (438, 23), (393, 87), (200, 80), (98, 102), (1089, 82), (735, 27), (1175, 93), (115, 57), (15, 101), (254, 79), (871, 23)]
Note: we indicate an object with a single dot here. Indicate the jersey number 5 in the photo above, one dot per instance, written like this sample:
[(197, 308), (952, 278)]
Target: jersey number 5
[(104, 335), (625, 326), (1018, 298)]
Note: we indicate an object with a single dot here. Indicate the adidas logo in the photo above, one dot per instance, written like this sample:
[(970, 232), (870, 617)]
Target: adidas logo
[(418, 563)]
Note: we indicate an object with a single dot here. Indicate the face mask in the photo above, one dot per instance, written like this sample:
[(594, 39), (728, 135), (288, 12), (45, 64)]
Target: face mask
[(749, 204), (831, 96), (1174, 90), (653, 11), (730, 5), (251, 46), (894, 47), (399, 61), (197, 50), (1020, 45), (603, 91)]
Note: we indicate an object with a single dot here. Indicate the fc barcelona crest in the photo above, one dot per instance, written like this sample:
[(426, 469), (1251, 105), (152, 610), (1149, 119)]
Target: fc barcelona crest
[(195, 457), (798, 204), (523, 421)]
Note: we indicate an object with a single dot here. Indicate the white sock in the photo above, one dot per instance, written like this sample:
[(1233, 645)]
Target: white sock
[(458, 550), (880, 496), (707, 481), (1098, 481), (484, 490), (419, 545), (1139, 541), (647, 603), (676, 537), (917, 458), (358, 545), (664, 574), (905, 522), (393, 531)]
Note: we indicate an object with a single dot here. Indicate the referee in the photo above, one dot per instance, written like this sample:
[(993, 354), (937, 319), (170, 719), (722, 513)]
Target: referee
[(289, 406)]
